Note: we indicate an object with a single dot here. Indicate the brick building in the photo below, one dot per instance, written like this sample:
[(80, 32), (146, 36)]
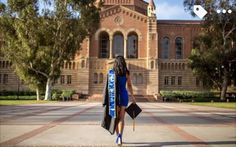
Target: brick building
[(156, 52)]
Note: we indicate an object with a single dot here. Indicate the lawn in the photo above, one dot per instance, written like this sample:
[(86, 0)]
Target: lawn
[(23, 102), (231, 105)]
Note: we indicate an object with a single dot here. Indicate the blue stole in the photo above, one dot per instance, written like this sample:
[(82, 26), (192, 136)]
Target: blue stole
[(112, 93)]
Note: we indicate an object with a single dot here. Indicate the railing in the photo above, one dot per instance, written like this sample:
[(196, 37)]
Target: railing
[(173, 64), (105, 64)]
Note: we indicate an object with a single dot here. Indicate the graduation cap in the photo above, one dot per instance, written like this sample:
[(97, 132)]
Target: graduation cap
[(133, 110)]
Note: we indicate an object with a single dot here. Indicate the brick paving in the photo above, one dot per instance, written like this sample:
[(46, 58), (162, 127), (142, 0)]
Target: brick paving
[(78, 124)]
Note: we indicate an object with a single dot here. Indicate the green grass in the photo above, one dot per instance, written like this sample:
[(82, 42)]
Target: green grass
[(23, 102), (231, 105)]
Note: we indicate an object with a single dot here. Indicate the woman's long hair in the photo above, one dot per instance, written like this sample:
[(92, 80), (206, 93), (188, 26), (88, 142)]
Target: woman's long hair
[(120, 66)]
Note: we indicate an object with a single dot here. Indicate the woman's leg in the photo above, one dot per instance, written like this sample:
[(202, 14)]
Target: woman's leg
[(118, 119), (121, 120)]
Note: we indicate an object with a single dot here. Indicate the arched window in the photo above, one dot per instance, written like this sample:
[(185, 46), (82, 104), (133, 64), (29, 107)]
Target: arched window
[(172, 66), (165, 48), (101, 78), (179, 66), (118, 44), (7, 64), (95, 78), (152, 64), (179, 47), (161, 65), (69, 65), (3, 64), (132, 46), (104, 45), (73, 65), (82, 64), (165, 66), (183, 66)]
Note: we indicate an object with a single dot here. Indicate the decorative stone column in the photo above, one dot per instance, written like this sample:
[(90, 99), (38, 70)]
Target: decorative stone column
[(111, 39), (125, 47)]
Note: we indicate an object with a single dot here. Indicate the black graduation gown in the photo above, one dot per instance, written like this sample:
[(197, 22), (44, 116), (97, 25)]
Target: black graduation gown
[(108, 122)]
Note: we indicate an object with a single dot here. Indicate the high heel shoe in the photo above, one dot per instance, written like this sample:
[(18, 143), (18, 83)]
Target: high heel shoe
[(119, 140)]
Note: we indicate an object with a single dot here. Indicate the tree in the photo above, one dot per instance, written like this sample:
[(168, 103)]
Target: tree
[(40, 35), (214, 55)]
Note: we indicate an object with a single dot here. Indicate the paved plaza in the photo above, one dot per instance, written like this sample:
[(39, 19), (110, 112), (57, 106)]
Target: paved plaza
[(79, 124)]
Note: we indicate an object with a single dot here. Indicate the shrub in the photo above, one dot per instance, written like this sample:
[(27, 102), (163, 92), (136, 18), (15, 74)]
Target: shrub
[(188, 96), (21, 93), (14, 97), (67, 93), (56, 94)]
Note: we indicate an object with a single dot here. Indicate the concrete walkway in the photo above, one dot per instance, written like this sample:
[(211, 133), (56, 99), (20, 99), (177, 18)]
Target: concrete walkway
[(78, 124)]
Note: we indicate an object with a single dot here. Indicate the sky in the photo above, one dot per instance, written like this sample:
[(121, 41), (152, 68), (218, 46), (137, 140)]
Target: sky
[(172, 9), (169, 9)]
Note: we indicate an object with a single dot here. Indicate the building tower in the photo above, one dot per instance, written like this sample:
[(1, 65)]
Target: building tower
[(152, 49)]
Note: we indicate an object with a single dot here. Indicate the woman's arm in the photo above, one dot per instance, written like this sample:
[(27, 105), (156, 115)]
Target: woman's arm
[(129, 85)]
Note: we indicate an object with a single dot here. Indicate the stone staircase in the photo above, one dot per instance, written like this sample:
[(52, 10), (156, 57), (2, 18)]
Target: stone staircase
[(139, 98), (145, 98)]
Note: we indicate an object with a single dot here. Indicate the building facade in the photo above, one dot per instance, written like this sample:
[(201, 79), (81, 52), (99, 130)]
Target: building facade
[(156, 52)]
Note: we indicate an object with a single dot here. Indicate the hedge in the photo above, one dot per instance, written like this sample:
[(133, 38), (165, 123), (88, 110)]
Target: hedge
[(22, 93), (188, 96)]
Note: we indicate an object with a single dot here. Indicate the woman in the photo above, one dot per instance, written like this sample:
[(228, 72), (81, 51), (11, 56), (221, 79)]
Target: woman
[(123, 78)]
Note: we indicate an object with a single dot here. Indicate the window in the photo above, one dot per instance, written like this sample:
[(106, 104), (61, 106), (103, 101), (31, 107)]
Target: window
[(165, 48), (82, 64), (104, 45), (0, 78), (172, 66), (183, 66), (0, 64), (69, 77), (118, 45), (132, 47), (161, 65), (66, 65), (179, 80), (152, 64), (73, 65), (5, 78), (62, 79), (172, 80), (101, 78), (95, 78), (3, 64), (179, 47), (69, 65), (179, 66), (7, 64), (165, 66), (166, 82)]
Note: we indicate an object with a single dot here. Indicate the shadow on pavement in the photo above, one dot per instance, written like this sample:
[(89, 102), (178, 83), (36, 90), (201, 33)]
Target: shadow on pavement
[(162, 144)]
